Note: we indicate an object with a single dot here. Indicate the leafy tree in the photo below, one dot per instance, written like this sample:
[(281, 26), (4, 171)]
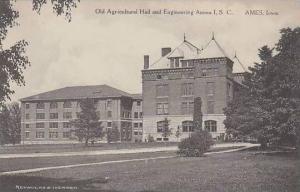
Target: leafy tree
[(13, 60), (197, 115), (10, 124), (87, 125), (166, 131), (113, 134), (268, 108)]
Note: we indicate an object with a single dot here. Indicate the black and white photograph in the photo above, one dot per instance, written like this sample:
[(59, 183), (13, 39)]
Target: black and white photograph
[(149, 96)]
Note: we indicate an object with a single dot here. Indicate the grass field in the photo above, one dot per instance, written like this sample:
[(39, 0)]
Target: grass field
[(52, 148), (238, 171)]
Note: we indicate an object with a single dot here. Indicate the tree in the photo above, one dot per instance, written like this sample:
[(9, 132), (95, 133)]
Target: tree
[(87, 125), (267, 108), (13, 60), (113, 134), (10, 124), (197, 115), (166, 130), (177, 133), (195, 145)]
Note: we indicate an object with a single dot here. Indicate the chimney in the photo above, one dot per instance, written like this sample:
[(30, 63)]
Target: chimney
[(146, 61), (165, 51)]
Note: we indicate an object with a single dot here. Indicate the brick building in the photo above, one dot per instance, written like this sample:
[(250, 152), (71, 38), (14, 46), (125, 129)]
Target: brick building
[(45, 117), (172, 82)]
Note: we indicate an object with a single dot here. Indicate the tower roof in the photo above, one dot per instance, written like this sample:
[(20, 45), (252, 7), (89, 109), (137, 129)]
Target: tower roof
[(185, 50), (211, 50)]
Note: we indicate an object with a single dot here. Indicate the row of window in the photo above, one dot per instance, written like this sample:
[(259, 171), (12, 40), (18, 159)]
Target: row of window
[(137, 125), (66, 115), (187, 89), (187, 126), (41, 125), (187, 107), (53, 105), (138, 115), (52, 134), (68, 104)]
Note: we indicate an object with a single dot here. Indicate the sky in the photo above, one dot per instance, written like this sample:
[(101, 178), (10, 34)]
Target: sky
[(96, 49)]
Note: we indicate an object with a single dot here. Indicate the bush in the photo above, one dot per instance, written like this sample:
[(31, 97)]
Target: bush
[(150, 138), (196, 145)]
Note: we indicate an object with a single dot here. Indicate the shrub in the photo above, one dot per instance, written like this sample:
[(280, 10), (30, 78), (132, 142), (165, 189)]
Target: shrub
[(195, 145), (150, 138)]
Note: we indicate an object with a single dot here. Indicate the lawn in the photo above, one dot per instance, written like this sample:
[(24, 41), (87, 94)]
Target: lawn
[(52, 148), (238, 171)]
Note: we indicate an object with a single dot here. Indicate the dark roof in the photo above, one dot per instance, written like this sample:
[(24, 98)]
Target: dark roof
[(79, 92)]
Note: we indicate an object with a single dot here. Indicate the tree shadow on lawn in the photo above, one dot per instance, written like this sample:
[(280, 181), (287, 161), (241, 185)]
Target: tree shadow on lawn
[(33, 183)]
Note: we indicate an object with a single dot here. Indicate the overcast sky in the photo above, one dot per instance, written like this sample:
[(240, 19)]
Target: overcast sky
[(108, 49)]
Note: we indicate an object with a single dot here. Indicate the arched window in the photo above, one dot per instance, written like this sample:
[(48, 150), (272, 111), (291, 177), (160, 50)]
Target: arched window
[(210, 125), (187, 126)]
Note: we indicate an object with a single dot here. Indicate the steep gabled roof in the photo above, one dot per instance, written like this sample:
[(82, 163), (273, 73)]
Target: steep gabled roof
[(79, 92), (212, 50), (185, 50)]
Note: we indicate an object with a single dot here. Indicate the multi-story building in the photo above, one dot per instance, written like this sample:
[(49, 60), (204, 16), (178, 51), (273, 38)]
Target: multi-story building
[(171, 84), (45, 117)]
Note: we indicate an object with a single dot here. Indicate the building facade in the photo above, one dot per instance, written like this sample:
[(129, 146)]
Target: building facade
[(46, 117), (171, 84)]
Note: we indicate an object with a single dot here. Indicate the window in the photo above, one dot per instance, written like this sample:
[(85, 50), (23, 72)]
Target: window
[(67, 125), (210, 89), (40, 125), (187, 108), (176, 62), (138, 103), (109, 114), (141, 125), (66, 134), (204, 72), (53, 125), (162, 108), (27, 105), (27, 116), (67, 104), (184, 63), (67, 115), (40, 134), (210, 107), (228, 91), (109, 124), (135, 132), (158, 139), (210, 126), (187, 126), (172, 62), (53, 134), (27, 134), (26, 125), (40, 116), (162, 90), (187, 89), (136, 115), (53, 105), (166, 139), (53, 115), (109, 104), (141, 114), (135, 125), (191, 63), (40, 105)]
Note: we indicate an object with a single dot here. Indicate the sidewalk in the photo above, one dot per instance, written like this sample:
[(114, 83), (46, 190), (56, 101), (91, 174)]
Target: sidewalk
[(115, 151)]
